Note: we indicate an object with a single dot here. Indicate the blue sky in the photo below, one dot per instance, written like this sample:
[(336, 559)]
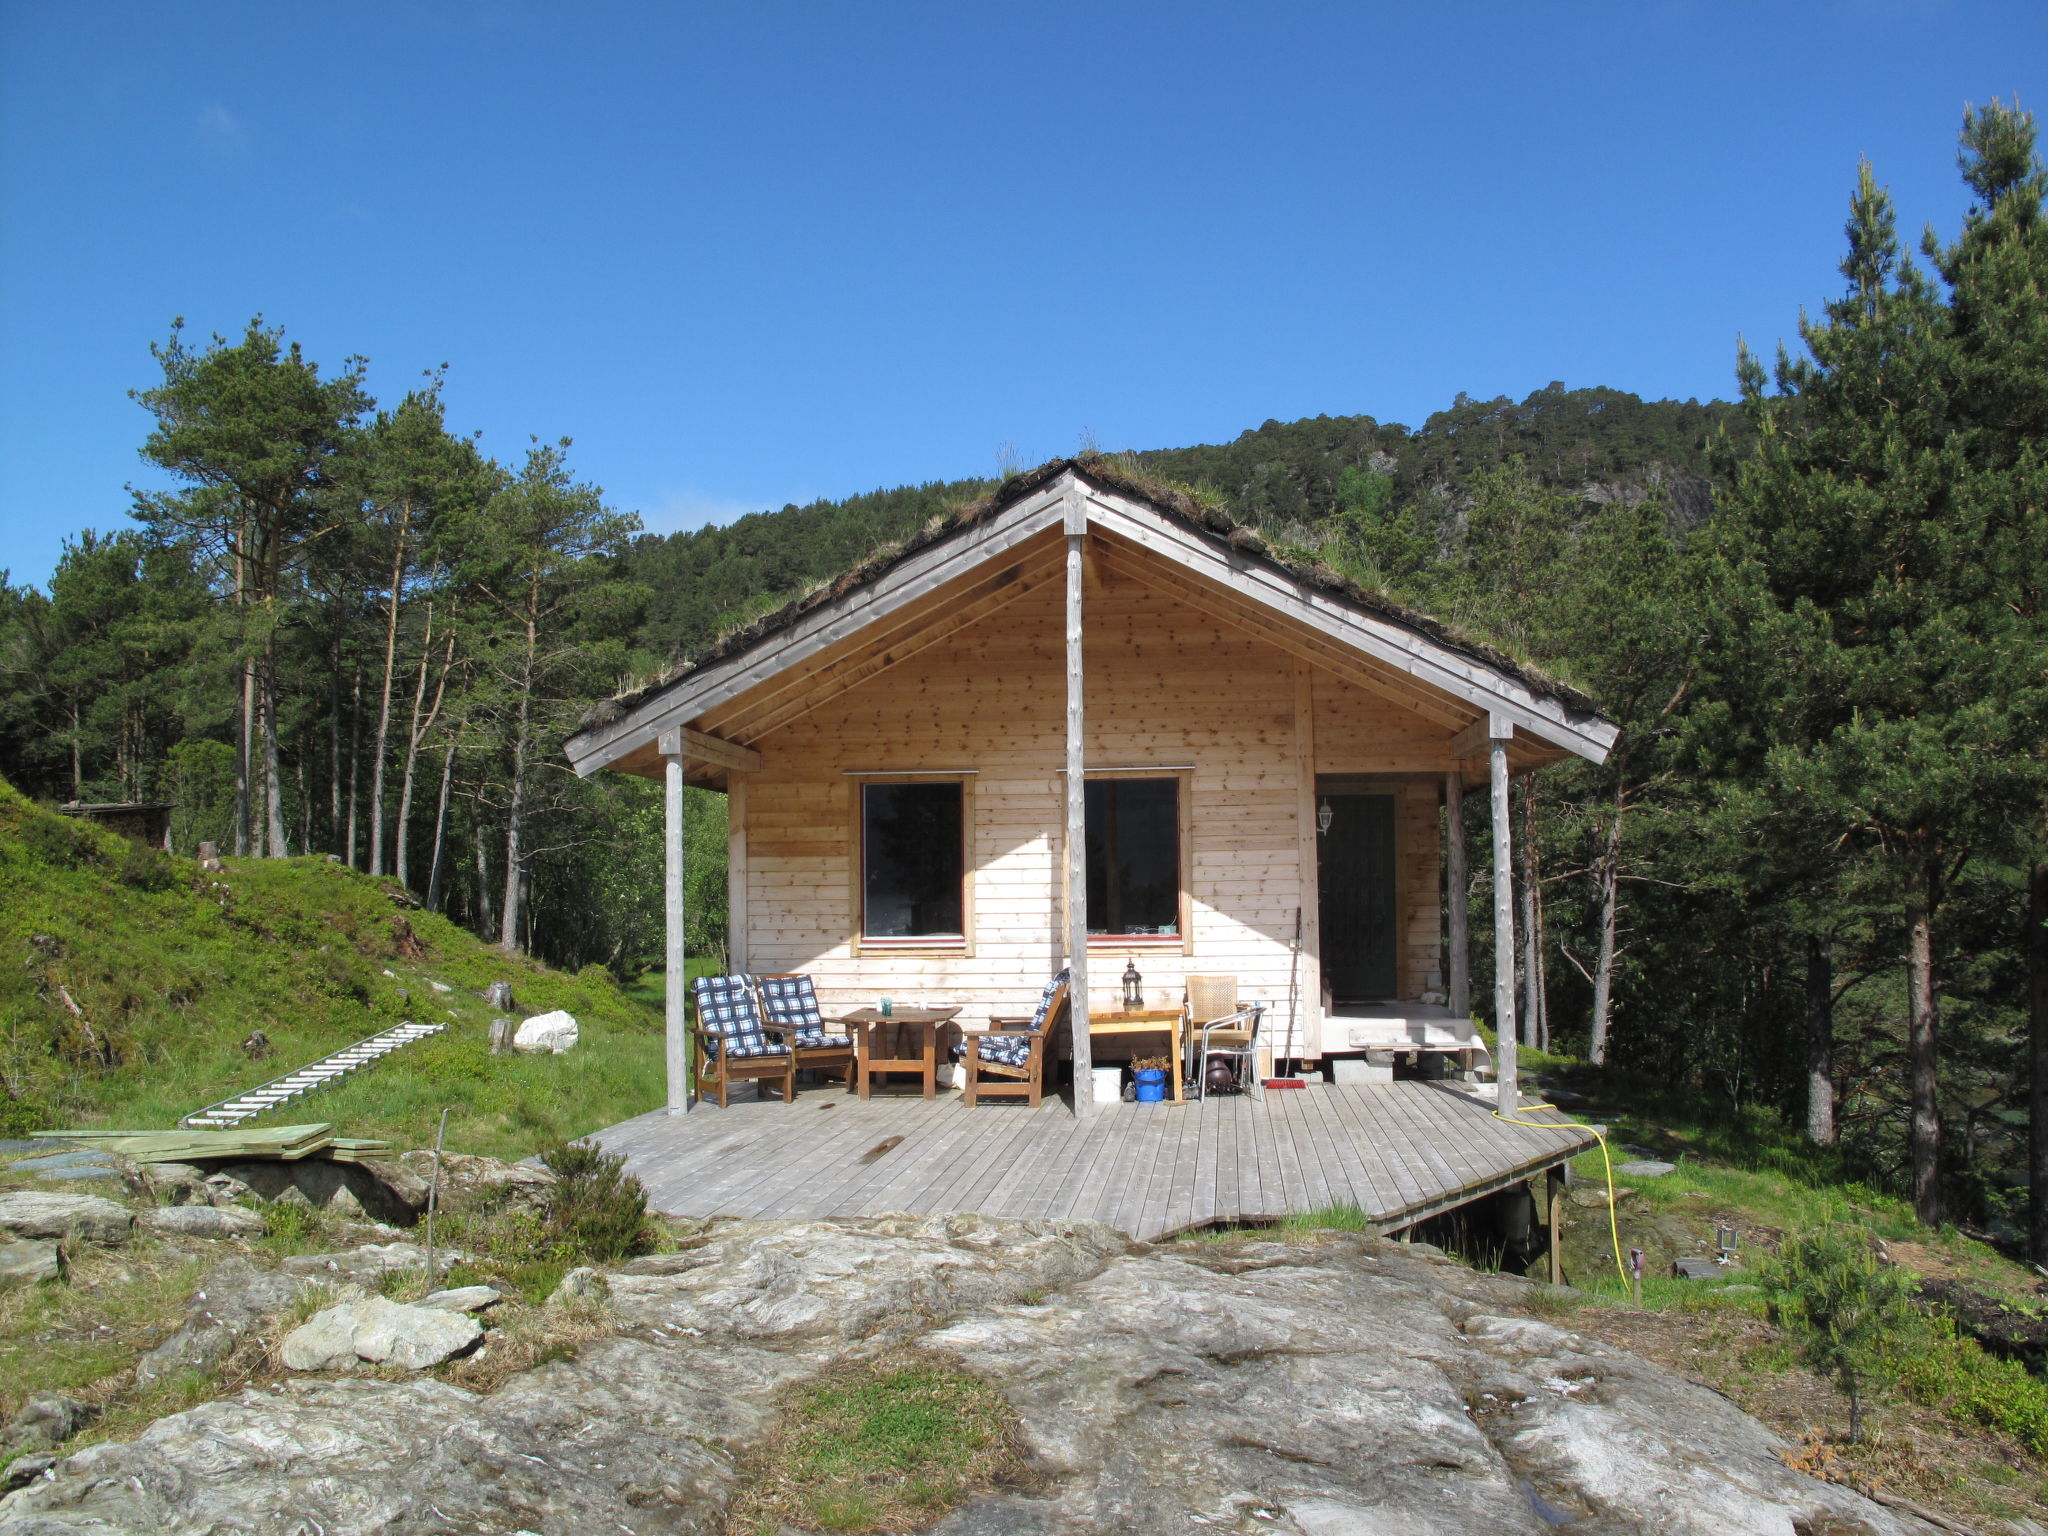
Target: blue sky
[(750, 254)]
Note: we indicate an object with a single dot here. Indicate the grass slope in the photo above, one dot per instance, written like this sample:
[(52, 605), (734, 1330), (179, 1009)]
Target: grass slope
[(169, 969)]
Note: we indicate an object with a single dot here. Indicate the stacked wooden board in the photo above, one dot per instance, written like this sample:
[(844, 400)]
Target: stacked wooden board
[(277, 1143)]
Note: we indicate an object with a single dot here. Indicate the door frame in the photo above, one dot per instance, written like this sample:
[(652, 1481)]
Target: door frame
[(1395, 786)]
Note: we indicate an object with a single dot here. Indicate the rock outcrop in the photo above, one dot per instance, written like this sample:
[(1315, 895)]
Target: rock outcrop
[(1342, 1387), (32, 1213)]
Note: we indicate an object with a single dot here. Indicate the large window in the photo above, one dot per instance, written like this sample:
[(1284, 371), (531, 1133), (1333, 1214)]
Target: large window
[(1134, 857), (912, 862)]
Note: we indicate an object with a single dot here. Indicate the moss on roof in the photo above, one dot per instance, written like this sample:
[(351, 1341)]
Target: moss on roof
[(1199, 509)]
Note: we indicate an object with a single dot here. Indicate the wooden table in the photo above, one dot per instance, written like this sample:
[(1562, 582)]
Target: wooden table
[(1141, 1021), (928, 1021)]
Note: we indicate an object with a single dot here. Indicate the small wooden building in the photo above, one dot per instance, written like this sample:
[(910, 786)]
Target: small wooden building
[(147, 822), (1088, 722)]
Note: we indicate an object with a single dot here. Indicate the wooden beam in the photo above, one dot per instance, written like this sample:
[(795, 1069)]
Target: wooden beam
[(1457, 893), (1219, 605), (1442, 666), (829, 624), (754, 717), (709, 749), (1076, 836), (1503, 934), (676, 1040)]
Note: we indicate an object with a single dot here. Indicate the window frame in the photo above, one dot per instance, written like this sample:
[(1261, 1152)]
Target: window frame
[(1184, 795), (859, 941)]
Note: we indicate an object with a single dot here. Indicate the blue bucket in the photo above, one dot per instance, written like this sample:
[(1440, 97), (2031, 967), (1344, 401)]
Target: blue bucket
[(1151, 1085)]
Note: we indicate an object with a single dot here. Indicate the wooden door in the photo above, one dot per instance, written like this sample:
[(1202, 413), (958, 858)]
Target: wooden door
[(1355, 870)]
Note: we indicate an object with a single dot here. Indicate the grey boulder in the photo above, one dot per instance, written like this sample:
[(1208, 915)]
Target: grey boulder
[(38, 1213), (382, 1332), (205, 1221), (30, 1261), (232, 1303), (464, 1298), (884, 1276), (368, 1261)]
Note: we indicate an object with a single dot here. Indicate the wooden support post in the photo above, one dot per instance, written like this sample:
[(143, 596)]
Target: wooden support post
[(1457, 891), (736, 872), (1556, 1183), (677, 1040), (1305, 1029), (1077, 815), (1500, 731)]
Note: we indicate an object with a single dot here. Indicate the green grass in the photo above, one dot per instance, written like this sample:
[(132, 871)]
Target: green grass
[(170, 970), (880, 1445)]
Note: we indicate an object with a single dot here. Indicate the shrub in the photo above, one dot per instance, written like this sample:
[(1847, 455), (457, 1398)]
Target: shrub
[(1846, 1311), (1956, 1374), (596, 1207)]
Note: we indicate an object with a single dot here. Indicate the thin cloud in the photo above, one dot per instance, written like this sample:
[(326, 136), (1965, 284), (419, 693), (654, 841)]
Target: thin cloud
[(221, 128)]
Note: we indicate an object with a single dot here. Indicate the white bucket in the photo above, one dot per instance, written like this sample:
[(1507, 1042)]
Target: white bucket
[(1109, 1085)]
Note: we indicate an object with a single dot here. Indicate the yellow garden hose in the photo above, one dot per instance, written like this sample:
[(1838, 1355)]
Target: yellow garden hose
[(1613, 1222)]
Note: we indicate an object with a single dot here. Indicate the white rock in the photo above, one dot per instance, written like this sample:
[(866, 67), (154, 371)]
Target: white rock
[(206, 1221), (554, 1032), (439, 986), (33, 1213), (381, 1331), (464, 1298)]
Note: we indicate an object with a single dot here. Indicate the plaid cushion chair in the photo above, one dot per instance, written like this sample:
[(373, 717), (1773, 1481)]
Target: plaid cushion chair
[(792, 1003), (1012, 1049), (733, 1043)]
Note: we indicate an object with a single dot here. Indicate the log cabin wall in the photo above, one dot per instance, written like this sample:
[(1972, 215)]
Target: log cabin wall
[(1166, 687)]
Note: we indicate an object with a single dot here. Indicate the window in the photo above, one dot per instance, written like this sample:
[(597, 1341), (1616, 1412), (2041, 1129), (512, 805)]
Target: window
[(913, 863), (1134, 858)]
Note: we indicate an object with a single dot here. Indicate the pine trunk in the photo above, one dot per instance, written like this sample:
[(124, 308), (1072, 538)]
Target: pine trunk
[(1608, 900), (515, 864), (440, 830), (1922, 1023), (1532, 955), (416, 733), (355, 761), (245, 757), (483, 879), (334, 751), (2036, 947), (1820, 1041), (273, 783), (377, 757)]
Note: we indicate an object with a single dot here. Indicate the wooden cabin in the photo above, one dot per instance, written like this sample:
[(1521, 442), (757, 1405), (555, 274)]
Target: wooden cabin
[(1087, 722)]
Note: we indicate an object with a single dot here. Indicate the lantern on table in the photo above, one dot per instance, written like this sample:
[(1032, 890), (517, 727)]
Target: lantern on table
[(1134, 996)]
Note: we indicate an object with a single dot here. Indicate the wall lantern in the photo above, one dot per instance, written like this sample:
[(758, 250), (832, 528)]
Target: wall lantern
[(1324, 816)]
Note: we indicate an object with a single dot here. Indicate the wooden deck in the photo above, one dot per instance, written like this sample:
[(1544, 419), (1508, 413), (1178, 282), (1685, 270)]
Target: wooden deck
[(1400, 1152)]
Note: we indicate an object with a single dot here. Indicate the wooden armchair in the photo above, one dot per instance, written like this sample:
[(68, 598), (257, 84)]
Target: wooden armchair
[(733, 1044), (791, 1003), (1012, 1051)]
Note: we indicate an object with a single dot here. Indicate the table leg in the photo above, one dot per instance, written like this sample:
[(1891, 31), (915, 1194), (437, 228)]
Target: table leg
[(931, 1061), (862, 1052), (1180, 1060)]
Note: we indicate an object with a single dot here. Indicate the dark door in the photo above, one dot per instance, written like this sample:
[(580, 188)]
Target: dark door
[(1356, 874)]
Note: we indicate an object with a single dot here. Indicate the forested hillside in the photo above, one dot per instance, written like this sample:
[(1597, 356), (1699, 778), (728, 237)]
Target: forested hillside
[(1812, 877)]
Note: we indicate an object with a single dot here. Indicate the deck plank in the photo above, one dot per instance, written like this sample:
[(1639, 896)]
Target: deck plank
[(1148, 1170)]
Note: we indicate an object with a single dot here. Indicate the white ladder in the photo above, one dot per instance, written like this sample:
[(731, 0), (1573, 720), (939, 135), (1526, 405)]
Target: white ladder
[(282, 1090)]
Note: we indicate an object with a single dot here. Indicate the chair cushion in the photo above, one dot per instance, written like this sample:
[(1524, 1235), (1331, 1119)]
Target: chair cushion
[(731, 1018), (1006, 1050), (1052, 990), (793, 1001)]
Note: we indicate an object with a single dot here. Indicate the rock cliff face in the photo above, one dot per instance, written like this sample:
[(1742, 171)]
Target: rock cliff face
[(1343, 1387)]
